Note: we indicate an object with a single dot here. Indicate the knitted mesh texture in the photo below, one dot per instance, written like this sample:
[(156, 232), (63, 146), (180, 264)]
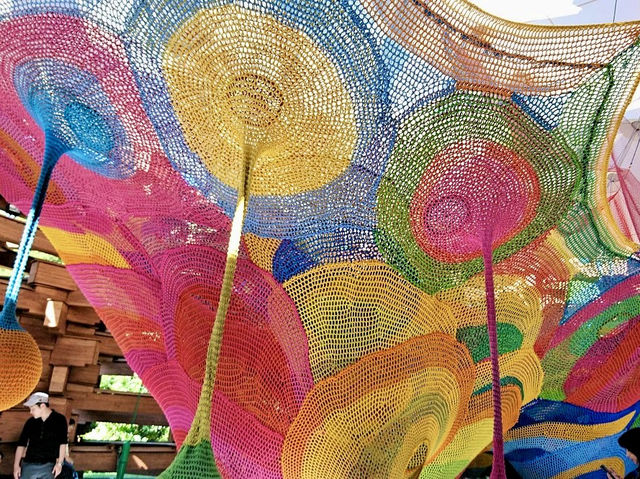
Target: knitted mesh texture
[(388, 143)]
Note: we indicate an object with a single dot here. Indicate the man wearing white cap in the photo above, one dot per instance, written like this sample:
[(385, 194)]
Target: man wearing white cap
[(44, 436)]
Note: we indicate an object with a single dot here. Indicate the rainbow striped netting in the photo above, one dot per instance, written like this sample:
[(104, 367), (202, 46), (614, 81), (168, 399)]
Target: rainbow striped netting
[(385, 163)]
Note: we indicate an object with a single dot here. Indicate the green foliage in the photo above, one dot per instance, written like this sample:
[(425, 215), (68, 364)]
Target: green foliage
[(113, 431), (127, 384)]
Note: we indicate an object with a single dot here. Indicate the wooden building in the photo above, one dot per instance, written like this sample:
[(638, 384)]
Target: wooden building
[(76, 350)]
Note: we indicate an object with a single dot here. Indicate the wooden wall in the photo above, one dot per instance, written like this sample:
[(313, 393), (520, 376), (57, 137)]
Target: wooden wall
[(76, 350)]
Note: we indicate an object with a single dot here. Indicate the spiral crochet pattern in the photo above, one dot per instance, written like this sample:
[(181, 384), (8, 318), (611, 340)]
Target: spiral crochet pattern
[(340, 238)]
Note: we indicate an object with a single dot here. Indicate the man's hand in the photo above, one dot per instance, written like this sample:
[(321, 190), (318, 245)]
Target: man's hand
[(17, 469), (57, 469)]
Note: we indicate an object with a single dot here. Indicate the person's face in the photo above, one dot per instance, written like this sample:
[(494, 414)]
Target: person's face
[(36, 410), (632, 456)]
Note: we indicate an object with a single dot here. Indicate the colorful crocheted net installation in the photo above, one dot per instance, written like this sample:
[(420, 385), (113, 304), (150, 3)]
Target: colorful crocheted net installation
[(302, 222), (623, 199), (543, 442)]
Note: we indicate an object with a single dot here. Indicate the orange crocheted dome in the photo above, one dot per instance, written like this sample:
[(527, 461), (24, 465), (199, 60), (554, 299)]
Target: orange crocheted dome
[(20, 366)]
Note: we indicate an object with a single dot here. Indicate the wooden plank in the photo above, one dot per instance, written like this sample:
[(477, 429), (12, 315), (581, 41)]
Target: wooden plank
[(108, 345), (43, 384), (42, 335), (143, 459), (70, 351), (79, 388), (11, 422), (111, 403), (11, 231), (76, 298), (59, 377), (121, 417), (82, 315), (28, 299), (88, 375), (55, 316), (60, 404), (50, 274), (51, 293), (74, 329), (116, 368), (104, 400), (94, 458)]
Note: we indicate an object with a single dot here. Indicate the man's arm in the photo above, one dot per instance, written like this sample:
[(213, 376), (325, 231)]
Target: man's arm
[(57, 469), (16, 461), (62, 441)]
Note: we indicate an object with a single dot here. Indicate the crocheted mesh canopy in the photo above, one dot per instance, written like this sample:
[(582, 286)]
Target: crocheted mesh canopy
[(341, 239)]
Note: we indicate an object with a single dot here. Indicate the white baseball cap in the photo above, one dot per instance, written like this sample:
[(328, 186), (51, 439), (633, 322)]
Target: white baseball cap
[(36, 398)]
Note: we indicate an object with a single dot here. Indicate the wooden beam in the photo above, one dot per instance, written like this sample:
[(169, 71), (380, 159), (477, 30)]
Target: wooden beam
[(108, 345), (76, 298), (79, 388), (51, 293), (87, 316), (121, 417), (143, 458), (110, 404), (59, 377), (74, 329), (51, 274), (116, 368), (88, 375), (104, 400), (28, 299), (150, 459), (94, 458), (60, 404), (11, 231), (11, 423), (70, 351), (146, 459), (35, 326), (45, 378)]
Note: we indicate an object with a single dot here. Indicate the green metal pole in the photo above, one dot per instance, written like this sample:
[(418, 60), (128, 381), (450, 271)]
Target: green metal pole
[(123, 458)]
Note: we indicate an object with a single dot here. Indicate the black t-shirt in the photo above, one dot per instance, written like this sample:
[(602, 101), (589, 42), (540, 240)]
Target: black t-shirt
[(43, 438)]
